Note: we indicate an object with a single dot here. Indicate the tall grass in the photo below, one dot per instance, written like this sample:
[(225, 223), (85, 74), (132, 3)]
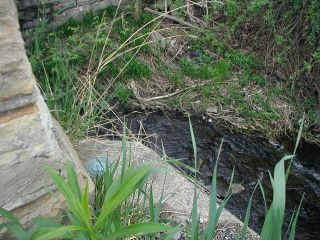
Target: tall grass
[(274, 217), (69, 79), (214, 210)]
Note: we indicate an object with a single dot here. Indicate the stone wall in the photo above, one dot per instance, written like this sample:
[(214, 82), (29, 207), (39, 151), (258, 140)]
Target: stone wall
[(30, 139), (56, 11)]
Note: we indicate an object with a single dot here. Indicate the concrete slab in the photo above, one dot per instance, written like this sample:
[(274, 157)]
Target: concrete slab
[(177, 188)]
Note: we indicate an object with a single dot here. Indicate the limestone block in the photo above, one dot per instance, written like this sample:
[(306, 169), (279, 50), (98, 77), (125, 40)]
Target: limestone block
[(29, 144), (64, 5), (16, 77), (75, 12), (22, 4), (27, 15), (30, 139), (101, 4), (85, 2), (17, 102)]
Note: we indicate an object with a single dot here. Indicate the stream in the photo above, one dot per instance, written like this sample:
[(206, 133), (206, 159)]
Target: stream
[(252, 158)]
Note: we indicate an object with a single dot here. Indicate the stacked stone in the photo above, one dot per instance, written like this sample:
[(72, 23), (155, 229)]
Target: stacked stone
[(30, 139), (56, 12)]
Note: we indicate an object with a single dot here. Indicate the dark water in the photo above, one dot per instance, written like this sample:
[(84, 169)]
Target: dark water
[(252, 158)]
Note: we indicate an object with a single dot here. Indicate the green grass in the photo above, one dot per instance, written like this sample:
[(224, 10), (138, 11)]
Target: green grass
[(100, 65)]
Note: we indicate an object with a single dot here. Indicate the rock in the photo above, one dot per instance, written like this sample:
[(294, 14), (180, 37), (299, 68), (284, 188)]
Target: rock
[(16, 77), (30, 139), (177, 236), (96, 166), (237, 188), (213, 109)]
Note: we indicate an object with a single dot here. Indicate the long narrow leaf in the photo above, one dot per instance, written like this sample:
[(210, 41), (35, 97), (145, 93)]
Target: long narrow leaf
[(121, 191), (138, 229), (294, 223), (244, 231)]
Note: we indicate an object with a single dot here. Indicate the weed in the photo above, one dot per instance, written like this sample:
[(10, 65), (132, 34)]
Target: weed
[(137, 69), (175, 77), (123, 93), (221, 70), (248, 77), (243, 61)]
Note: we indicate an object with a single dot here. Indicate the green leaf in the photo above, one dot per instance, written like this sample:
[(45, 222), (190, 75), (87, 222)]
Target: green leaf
[(272, 226), (85, 203), (73, 201), (138, 229), (151, 204), (194, 146), (72, 180), (48, 233), (9, 216), (294, 224), (296, 145), (16, 230), (211, 227), (194, 216), (244, 232), (120, 190)]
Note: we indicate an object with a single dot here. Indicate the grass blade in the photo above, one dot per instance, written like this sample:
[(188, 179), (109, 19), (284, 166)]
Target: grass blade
[(244, 231), (138, 229), (194, 216), (294, 223), (119, 192)]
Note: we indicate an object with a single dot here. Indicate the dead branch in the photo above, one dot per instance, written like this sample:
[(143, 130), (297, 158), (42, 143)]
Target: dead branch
[(175, 19), (176, 92)]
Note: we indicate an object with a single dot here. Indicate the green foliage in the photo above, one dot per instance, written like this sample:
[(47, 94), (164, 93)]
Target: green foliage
[(214, 212), (202, 70), (243, 61), (221, 70), (110, 202), (123, 93), (174, 77), (248, 77), (137, 69)]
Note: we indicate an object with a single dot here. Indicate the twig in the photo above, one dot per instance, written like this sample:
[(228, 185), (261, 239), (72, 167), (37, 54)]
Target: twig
[(175, 93), (178, 20)]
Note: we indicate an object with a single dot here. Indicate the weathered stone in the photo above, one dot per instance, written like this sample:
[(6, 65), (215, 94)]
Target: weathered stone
[(16, 113), (29, 143), (30, 139), (212, 109), (58, 11), (16, 77), (85, 2), (65, 6), (30, 24), (17, 102), (76, 13), (22, 4), (105, 3), (27, 15)]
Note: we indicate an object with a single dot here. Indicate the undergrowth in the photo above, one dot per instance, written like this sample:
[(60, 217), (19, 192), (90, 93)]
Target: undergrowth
[(117, 56)]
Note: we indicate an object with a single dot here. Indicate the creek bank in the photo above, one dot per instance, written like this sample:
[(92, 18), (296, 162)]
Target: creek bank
[(178, 190), (251, 156)]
